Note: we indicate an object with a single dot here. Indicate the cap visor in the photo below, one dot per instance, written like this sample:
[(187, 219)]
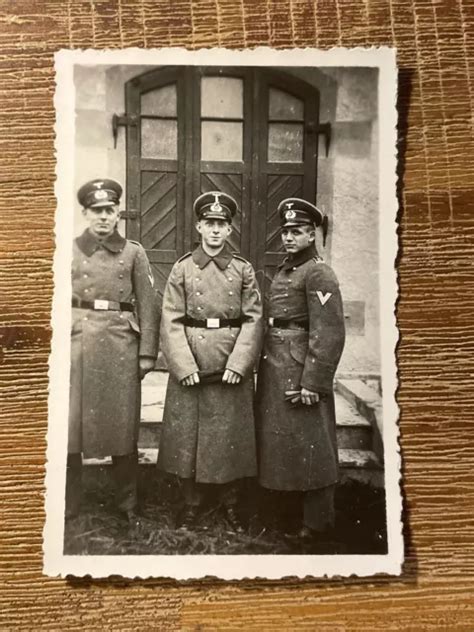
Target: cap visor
[(216, 216), (296, 223), (104, 203)]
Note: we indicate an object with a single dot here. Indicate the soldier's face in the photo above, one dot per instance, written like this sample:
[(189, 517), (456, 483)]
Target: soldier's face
[(296, 238), (102, 220), (214, 232)]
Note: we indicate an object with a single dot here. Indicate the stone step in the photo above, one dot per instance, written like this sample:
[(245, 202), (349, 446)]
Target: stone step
[(368, 402), (362, 466), (353, 431)]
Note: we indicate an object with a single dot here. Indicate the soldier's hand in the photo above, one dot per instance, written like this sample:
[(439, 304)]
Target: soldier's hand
[(145, 365), (191, 380), (309, 397), (231, 377)]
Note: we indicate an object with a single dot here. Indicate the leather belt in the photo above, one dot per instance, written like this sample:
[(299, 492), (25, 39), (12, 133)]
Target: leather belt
[(100, 305), (281, 323), (211, 323)]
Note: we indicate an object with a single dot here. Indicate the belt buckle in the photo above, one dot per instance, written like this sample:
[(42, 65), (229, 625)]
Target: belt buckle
[(101, 304), (271, 320), (213, 323)]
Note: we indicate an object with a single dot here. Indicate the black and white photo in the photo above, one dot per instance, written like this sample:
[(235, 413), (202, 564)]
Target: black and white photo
[(222, 375)]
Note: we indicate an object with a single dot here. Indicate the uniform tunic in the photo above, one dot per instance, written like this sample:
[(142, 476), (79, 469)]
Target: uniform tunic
[(297, 445), (209, 432), (104, 409)]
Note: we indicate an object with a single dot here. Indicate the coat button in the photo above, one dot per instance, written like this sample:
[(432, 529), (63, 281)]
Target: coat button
[(121, 261), (229, 279), (201, 337), (286, 295), (198, 293), (285, 309), (86, 276), (85, 291), (231, 293), (120, 276)]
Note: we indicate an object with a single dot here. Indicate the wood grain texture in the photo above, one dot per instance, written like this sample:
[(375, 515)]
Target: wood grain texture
[(435, 41)]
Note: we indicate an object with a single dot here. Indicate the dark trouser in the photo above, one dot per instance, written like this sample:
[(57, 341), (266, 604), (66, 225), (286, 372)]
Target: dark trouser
[(193, 492), (124, 471), (318, 508)]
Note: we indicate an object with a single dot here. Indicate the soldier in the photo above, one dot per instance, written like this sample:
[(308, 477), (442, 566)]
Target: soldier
[(115, 323), (211, 335), (296, 426)]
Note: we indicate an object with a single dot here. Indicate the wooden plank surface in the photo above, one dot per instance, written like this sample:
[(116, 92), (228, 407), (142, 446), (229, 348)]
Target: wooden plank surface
[(435, 40)]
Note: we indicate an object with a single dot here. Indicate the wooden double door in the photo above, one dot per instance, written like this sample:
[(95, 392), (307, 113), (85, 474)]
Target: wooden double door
[(251, 132)]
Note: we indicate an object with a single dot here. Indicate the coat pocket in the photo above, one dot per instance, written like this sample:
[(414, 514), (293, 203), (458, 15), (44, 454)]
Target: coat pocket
[(298, 351), (134, 325)]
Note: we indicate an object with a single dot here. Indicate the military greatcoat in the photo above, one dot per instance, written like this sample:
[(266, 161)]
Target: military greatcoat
[(209, 432), (297, 445), (104, 404)]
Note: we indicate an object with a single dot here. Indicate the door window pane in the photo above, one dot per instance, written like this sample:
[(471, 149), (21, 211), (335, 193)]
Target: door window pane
[(221, 141), (222, 97), (284, 106), (160, 102), (159, 139), (285, 142)]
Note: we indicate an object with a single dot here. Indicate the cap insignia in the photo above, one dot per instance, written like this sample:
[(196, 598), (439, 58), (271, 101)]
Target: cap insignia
[(216, 207), (98, 184), (290, 214), (100, 195)]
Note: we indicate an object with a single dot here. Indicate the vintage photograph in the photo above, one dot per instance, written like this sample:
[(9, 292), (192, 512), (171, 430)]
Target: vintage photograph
[(223, 373)]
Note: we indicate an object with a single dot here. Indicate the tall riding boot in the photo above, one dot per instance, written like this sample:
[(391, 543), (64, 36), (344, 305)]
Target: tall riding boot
[(319, 511), (125, 473), (73, 484), (229, 495), (192, 493)]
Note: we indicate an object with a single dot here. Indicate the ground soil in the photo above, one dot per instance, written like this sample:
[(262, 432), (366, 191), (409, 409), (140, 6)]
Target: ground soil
[(270, 521)]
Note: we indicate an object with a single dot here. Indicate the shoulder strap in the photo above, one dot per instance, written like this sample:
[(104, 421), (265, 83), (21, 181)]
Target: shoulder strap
[(237, 256), (188, 254)]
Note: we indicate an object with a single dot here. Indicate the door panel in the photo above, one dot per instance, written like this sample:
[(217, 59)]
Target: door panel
[(155, 162)]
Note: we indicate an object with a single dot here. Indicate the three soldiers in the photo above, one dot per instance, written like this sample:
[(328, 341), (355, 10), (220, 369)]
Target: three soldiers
[(211, 333)]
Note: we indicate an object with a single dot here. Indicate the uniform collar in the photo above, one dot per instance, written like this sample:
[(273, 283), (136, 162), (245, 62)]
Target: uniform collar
[(221, 260), (293, 261), (89, 244)]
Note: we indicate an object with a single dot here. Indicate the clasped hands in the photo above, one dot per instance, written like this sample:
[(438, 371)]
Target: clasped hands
[(229, 377), (305, 396)]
